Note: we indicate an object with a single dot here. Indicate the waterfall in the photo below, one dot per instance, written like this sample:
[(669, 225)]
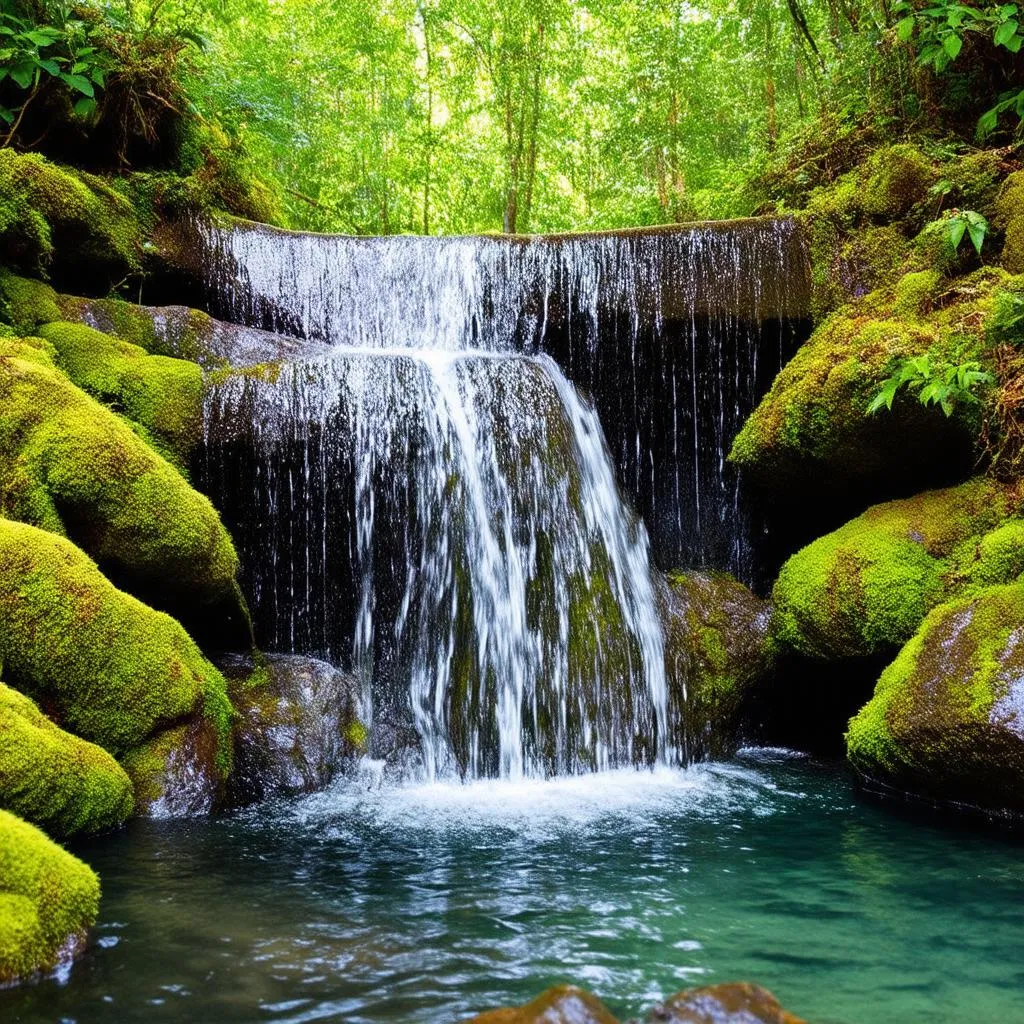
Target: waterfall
[(434, 503)]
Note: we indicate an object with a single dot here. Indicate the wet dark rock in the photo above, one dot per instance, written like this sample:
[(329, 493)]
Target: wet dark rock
[(733, 1003), (564, 1004), (717, 650), (297, 727)]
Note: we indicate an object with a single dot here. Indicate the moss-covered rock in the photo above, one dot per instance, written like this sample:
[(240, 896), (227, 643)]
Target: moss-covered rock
[(54, 779), (48, 901), (564, 1004), (163, 396), (947, 718), (71, 466), (896, 179), (811, 435), (26, 303), (717, 649), (183, 771), (74, 224), (114, 670), (1010, 218), (297, 726), (864, 589)]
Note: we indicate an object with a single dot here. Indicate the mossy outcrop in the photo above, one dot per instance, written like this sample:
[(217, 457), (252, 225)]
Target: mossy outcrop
[(114, 670), (53, 779), (48, 901), (812, 436), (71, 466), (1010, 218), (946, 721), (161, 395), (717, 649), (864, 589), (74, 225)]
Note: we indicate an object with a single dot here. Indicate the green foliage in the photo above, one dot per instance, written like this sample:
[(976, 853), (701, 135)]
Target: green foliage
[(946, 385), (48, 900), (64, 49), (957, 223)]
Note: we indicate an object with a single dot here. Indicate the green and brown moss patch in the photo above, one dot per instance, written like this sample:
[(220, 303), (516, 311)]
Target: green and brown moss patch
[(53, 779)]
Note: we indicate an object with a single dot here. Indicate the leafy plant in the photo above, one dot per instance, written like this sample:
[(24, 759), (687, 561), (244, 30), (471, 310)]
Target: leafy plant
[(942, 27), (33, 54), (944, 384), (957, 223), (1006, 324)]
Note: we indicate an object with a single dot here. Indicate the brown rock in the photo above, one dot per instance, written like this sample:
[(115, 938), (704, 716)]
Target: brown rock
[(734, 1003), (563, 1004)]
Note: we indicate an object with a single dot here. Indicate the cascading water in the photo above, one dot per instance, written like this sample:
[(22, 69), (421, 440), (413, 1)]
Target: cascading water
[(433, 501)]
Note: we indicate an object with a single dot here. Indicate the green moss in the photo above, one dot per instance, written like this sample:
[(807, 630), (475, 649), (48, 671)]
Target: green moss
[(897, 178), (916, 292), (115, 669), (162, 395), (54, 779), (26, 303), (974, 180), (1010, 218), (864, 589), (48, 901), (49, 213), (945, 718), (69, 465)]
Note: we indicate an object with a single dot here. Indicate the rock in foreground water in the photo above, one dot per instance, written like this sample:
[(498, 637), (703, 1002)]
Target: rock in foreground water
[(733, 1003)]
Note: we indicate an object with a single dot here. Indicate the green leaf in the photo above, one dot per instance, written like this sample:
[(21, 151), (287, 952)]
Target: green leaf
[(23, 74), (957, 227), (952, 44), (977, 232), (85, 106), (1005, 32), (6, 115), (79, 83), (905, 29)]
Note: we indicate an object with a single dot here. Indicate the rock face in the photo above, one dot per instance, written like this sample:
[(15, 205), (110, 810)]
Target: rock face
[(717, 649), (114, 669), (75, 468), (297, 726), (947, 718), (864, 589), (564, 1004), (735, 1003), (54, 779), (48, 901)]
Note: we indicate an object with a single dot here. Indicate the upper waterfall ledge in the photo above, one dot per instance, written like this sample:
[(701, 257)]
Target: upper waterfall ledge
[(757, 268)]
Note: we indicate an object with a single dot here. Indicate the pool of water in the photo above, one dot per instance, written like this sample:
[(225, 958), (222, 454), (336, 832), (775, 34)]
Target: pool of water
[(428, 903)]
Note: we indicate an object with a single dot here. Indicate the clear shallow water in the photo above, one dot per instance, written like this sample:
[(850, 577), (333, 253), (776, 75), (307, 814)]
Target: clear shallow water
[(428, 903)]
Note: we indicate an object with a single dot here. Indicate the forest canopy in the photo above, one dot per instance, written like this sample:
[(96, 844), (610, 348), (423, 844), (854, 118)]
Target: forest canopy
[(443, 116)]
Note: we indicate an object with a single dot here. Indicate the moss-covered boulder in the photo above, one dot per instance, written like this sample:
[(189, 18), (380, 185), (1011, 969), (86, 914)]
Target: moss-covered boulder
[(114, 670), (717, 649), (48, 901), (946, 721), (895, 180), (161, 395), (564, 1004), (812, 437), (54, 779), (71, 466), (73, 224), (864, 589), (1010, 218)]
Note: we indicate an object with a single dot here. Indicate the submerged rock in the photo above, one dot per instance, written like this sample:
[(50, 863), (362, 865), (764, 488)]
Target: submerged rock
[(54, 779), (733, 1003), (48, 901), (716, 650), (947, 718), (297, 725), (564, 1004)]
